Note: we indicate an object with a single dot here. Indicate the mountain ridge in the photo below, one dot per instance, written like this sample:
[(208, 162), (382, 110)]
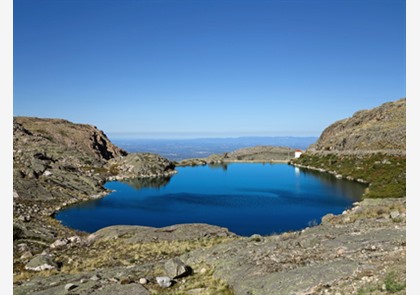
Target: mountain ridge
[(380, 128)]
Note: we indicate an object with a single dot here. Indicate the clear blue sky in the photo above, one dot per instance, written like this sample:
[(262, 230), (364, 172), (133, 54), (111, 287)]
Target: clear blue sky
[(207, 68)]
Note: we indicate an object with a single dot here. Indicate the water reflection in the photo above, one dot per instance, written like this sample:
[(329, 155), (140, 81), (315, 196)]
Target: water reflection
[(148, 182), (350, 189), (224, 166)]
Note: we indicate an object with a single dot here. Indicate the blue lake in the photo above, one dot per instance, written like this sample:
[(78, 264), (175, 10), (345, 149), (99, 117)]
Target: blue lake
[(246, 198)]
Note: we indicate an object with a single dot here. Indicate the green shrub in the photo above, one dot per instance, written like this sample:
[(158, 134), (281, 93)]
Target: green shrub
[(386, 174), (392, 284)]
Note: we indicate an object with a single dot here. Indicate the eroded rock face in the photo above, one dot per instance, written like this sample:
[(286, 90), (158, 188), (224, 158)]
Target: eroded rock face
[(56, 164), (86, 139), (381, 128), (140, 165)]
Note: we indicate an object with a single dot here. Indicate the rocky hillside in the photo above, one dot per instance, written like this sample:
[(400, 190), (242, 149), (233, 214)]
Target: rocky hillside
[(369, 147), (58, 163), (56, 136), (381, 128)]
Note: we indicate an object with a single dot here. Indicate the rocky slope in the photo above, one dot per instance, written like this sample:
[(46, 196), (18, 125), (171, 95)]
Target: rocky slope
[(368, 147), (58, 163), (359, 252), (381, 128)]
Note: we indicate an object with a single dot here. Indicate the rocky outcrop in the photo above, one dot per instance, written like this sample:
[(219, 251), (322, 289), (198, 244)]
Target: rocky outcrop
[(140, 165), (381, 128), (51, 137), (346, 254), (58, 163), (178, 232)]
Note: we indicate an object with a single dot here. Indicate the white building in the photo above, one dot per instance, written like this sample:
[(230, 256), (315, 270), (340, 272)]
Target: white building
[(298, 153)]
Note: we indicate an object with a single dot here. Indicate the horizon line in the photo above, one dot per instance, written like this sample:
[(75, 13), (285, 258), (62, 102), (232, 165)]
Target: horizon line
[(185, 135)]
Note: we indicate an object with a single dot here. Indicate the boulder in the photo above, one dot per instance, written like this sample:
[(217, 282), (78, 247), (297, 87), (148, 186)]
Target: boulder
[(394, 214), (59, 243), (69, 287), (40, 263), (164, 282), (175, 268)]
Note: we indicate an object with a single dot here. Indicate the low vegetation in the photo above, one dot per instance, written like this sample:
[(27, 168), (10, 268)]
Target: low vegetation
[(385, 173)]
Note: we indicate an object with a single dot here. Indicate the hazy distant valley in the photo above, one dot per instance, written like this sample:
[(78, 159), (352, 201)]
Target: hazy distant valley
[(179, 149)]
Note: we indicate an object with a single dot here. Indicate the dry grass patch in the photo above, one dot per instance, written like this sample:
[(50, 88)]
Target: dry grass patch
[(117, 252)]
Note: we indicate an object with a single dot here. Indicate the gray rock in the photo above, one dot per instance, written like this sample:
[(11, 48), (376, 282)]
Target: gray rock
[(95, 278), (143, 281), (69, 287), (24, 218), (26, 255), (256, 238), (175, 268), (75, 239), (47, 173), (326, 219), (59, 243), (40, 263), (164, 282), (394, 214)]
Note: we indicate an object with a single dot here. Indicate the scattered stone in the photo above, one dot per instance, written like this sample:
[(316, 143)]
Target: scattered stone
[(203, 270), (113, 280), (175, 268), (327, 219), (26, 255), (47, 173), (23, 247), (40, 263), (70, 286), (340, 251), (24, 218), (394, 214), (126, 280), (164, 282), (59, 243), (256, 238), (75, 239), (143, 281), (95, 278)]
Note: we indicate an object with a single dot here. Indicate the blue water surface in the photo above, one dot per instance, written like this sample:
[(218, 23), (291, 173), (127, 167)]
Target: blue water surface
[(246, 198)]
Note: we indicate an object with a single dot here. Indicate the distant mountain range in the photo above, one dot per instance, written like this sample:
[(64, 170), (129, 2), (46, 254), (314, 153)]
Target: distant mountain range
[(179, 149)]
